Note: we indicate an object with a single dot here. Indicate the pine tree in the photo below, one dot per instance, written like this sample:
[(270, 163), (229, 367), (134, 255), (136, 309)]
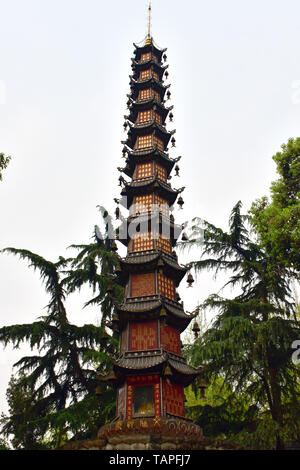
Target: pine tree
[(61, 379), (249, 342)]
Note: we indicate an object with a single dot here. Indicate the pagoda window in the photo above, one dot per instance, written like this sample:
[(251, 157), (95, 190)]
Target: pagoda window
[(155, 75), (163, 205), (170, 338), (154, 58), (144, 141), (143, 285), (161, 172), (164, 244), (145, 74), (145, 116), (141, 204), (143, 336), (145, 57), (145, 94), (156, 95), (143, 400), (157, 117), (166, 286), (143, 241), (173, 398), (144, 170), (158, 142)]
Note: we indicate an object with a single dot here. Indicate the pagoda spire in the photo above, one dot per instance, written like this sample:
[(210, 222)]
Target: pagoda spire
[(149, 38)]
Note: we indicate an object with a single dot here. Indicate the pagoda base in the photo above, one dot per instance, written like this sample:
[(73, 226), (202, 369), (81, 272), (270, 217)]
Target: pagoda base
[(151, 434)]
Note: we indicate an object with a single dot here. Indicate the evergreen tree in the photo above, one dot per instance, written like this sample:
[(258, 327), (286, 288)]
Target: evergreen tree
[(58, 384), (249, 342), (4, 161), (278, 221)]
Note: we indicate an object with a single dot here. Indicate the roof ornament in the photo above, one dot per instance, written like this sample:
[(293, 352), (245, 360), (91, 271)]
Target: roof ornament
[(149, 39)]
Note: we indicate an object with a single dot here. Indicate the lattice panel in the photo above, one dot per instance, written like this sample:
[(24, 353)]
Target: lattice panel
[(156, 95), (144, 141), (161, 172), (143, 241), (143, 336), (124, 341), (173, 398), (143, 380), (142, 284), (166, 286), (145, 116), (145, 57), (155, 75), (145, 74), (163, 244), (157, 117), (142, 204), (121, 401), (144, 94), (157, 141), (170, 339), (144, 170), (163, 205)]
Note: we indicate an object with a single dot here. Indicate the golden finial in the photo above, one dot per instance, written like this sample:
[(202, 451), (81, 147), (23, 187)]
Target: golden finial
[(149, 39)]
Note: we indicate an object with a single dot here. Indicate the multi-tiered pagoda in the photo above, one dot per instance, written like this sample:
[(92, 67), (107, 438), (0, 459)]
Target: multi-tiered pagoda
[(150, 374)]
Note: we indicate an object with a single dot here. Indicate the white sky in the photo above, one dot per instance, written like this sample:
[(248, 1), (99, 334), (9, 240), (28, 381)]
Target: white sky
[(64, 66)]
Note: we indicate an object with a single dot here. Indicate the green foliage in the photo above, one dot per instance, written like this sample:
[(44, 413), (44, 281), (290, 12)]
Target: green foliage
[(278, 222), (4, 161), (53, 397), (22, 410), (249, 342), (221, 413)]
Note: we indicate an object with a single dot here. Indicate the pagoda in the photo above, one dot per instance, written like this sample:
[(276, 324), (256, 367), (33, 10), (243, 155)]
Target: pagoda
[(150, 373)]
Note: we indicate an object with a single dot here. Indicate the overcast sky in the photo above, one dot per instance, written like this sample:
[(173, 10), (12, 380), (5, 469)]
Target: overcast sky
[(64, 66)]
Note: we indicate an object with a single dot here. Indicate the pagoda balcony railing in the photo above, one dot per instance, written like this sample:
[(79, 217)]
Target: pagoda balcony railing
[(146, 79), (148, 100), (155, 212), (169, 256), (148, 150), (148, 298), (147, 179), (141, 125), (149, 123), (146, 352), (154, 353), (152, 213), (164, 184), (149, 79)]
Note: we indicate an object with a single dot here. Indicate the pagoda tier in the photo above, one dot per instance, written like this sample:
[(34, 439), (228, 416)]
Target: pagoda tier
[(146, 88), (150, 373), (156, 361), (152, 307), (154, 261), (168, 232), (158, 158), (151, 65), (148, 104), (155, 370), (146, 49), (148, 134), (145, 192)]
